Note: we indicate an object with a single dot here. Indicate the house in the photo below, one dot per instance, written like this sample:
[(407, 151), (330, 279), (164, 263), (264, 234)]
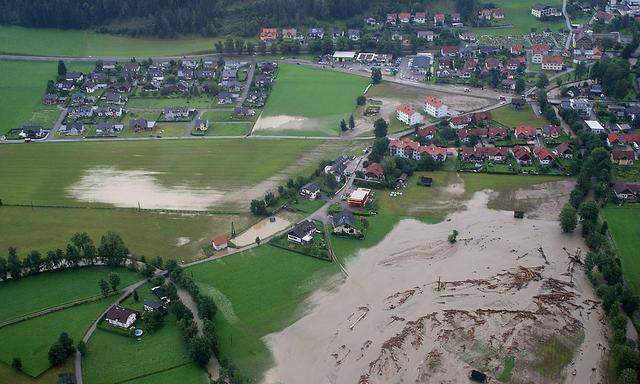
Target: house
[(120, 317), (354, 34), (552, 63), (310, 191), (550, 131), (302, 233), (176, 113), (627, 191), (455, 17), (108, 128), (427, 35), (50, 99), (467, 36), (402, 179), (472, 155), (115, 98), (622, 139), (108, 65), (564, 150), (524, 132), (153, 306), (496, 134), (538, 51), (338, 168), (522, 154), (76, 77), (404, 17), (220, 243), (268, 34), (32, 132), (200, 125), (467, 133), (109, 111), (543, 11), (160, 294), (449, 51), (544, 155), (343, 223), (289, 33), (485, 14), (497, 13), (517, 49), (438, 19), (492, 63), (359, 197), (225, 98), (392, 18), (138, 125), (344, 56), (603, 17), (74, 129), (373, 172), (438, 154), (435, 107), (596, 90), (420, 18), (623, 157), (427, 132), (594, 126), (581, 106), (408, 115), (460, 121), (496, 154), (316, 33), (421, 63)]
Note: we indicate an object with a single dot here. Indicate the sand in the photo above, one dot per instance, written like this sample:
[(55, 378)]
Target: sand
[(129, 188), (507, 287), (285, 122), (263, 229)]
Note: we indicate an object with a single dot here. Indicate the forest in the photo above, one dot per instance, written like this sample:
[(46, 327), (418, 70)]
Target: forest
[(171, 18)]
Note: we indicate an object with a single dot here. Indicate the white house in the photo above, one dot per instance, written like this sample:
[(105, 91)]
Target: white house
[(408, 115), (310, 191), (121, 317), (435, 107), (220, 243), (594, 126), (344, 56), (302, 233)]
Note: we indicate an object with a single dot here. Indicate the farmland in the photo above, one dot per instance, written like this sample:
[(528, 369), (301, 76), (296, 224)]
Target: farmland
[(77, 43), (624, 227), (22, 86), (30, 340), (319, 97), (34, 293)]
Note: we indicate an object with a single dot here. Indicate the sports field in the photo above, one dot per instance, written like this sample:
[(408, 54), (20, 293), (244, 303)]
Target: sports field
[(310, 101), (518, 14), (76, 43), (624, 228), (22, 86), (30, 340), (50, 289)]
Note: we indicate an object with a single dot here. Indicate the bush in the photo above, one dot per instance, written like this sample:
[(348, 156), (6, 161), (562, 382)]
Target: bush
[(453, 237)]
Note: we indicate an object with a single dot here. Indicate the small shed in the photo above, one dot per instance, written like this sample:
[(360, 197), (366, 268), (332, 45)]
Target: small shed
[(478, 376), (518, 214), (426, 181)]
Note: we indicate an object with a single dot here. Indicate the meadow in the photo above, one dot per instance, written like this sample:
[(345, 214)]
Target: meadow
[(511, 117), (39, 174), (34, 293), (78, 43), (30, 340), (50, 376), (229, 128), (624, 228), (22, 86), (324, 97), (518, 14)]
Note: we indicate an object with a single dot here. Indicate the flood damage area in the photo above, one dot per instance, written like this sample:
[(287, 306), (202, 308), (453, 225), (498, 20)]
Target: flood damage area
[(417, 308)]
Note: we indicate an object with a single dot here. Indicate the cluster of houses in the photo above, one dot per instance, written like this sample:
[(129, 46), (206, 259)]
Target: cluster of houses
[(260, 87), (125, 318), (625, 147)]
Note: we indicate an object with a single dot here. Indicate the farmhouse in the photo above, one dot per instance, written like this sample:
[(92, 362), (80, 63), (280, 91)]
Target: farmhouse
[(408, 115), (359, 197), (435, 107), (302, 233), (121, 317), (627, 191), (220, 243), (310, 191), (152, 306), (344, 224), (373, 172)]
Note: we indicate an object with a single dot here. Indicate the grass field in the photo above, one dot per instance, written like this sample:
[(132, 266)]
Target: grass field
[(75, 43), (160, 103), (188, 373), (511, 117), (10, 375), (226, 115), (22, 86), (50, 289), (518, 13), (324, 97), (229, 129), (161, 129), (145, 233), (30, 340), (40, 174), (624, 228)]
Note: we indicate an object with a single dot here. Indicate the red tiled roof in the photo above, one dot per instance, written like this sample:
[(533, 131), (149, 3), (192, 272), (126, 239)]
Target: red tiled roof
[(525, 130), (563, 148), (406, 109), (622, 155), (433, 150), (496, 132), (374, 169), (433, 101), (539, 48), (427, 131), (552, 59), (220, 240), (543, 153), (461, 119)]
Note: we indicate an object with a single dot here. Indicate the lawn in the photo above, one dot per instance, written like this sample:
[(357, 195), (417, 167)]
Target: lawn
[(113, 358), (160, 103), (624, 228), (284, 281), (50, 289), (322, 96), (518, 13), (10, 375), (30, 340), (171, 236), (226, 115), (40, 174), (160, 130), (75, 43), (22, 86), (511, 117), (229, 129), (188, 373)]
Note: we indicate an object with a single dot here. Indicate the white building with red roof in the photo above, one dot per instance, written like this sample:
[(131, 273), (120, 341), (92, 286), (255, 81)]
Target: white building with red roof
[(409, 149), (408, 115), (552, 63), (220, 243), (435, 107)]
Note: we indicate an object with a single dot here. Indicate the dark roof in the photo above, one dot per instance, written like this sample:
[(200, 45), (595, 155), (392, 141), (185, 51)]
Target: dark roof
[(344, 217), (153, 304), (66, 378), (426, 181), (159, 292), (311, 187), (119, 314), (303, 228)]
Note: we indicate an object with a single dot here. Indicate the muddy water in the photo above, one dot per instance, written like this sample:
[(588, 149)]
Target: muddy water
[(263, 229), (416, 308), (284, 122)]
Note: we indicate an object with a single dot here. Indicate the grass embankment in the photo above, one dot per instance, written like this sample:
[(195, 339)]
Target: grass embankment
[(22, 85), (51, 289), (324, 97), (80, 43), (624, 228)]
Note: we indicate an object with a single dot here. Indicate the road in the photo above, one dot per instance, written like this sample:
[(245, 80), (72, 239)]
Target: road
[(247, 85), (567, 43), (57, 124)]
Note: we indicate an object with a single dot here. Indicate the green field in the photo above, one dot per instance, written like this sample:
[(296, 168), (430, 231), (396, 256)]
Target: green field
[(75, 43), (160, 130), (188, 373), (229, 129), (30, 340), (226, 115), (624, 228), (511, 117), (324, 97), (160, 103), (50, 289), (22, 86), (518, 14), (10, 375), (40, 174)]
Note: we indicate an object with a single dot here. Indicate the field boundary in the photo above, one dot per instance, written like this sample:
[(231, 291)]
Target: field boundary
[(98, 207), (152, 373)]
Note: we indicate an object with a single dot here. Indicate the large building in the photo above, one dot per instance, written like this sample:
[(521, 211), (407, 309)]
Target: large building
[(542, 10), (359, 197), (552, 63), (408, 115), (435, 107)]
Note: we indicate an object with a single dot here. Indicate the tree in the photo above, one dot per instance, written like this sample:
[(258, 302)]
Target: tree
[(136, 298), (16, 364), (380, 127), (3, 268), (352, 122), (343, 126), (543, 81), (589, 211), (200, 350), (258, 240), (104, 287), (114, 281), (153, 320), (520, 85), (628, 376), (112, 249), (62, 68), (376, 75), (61, 349), (568, 218), (361, 100), (157, 262), (82, 348), (14, 265), (258, 207)]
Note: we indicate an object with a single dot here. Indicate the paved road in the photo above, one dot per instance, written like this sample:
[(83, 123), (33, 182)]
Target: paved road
[(567, 43), (247, 84), (57, 124)]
